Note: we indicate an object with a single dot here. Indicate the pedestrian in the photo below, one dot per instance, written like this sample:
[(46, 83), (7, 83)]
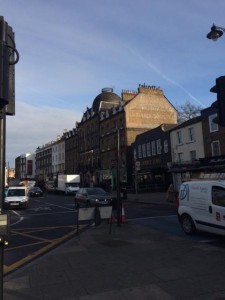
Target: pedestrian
[(170, 194)]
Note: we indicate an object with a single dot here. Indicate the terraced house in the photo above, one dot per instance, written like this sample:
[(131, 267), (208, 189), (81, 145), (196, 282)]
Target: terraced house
[(100, 143), (110, 120)]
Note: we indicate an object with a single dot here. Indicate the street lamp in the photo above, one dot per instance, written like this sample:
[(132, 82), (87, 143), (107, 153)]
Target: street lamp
[(215, 33)]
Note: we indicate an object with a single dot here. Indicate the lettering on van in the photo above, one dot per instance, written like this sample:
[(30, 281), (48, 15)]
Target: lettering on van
[(201, 189)]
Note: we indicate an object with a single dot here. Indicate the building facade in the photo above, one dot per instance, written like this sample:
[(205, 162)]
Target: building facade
[(44, 163), (187, 148), (100, 144), (110, 126), (71, 151), (58, 156), (152, 158), (25, 167)]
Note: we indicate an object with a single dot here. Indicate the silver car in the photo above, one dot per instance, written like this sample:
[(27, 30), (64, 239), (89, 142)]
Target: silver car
[(16, 197), (93, 197)]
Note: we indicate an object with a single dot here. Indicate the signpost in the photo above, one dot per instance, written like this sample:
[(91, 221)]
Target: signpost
[(7, 107)]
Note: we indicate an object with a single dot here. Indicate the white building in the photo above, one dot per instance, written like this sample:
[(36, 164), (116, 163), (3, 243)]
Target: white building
[(58, 156), (187, 147)]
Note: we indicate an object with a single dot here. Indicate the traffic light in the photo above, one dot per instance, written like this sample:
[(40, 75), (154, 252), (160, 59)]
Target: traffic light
[(10, 108), (219, 88), (8, 59), (3, 64)]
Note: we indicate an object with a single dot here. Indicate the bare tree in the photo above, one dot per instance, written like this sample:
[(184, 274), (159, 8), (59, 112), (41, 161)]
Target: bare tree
[(188, 111)]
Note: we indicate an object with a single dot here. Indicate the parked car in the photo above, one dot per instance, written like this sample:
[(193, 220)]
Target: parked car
[(35, 192), (93, 197), (202, 206), (16, 197)]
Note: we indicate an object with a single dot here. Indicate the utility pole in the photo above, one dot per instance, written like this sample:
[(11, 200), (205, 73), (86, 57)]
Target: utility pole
[(7, 107), (135, 180), (118, 179)]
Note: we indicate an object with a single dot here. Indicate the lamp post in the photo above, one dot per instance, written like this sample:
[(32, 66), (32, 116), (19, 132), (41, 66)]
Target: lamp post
[(215, 33)]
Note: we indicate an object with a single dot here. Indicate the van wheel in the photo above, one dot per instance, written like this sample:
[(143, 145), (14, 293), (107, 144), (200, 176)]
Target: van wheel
[(187, 224)]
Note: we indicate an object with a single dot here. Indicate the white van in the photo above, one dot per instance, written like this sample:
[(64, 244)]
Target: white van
[(16, 196), (201, 206)]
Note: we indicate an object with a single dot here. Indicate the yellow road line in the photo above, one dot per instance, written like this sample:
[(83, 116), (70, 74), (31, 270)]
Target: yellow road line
[(28, 245), (32, 236), (16, 232), (42, 228), (28, 258)]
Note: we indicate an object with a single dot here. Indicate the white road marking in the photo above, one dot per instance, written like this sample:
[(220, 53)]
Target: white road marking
[(18, 221), (155, 217), (55, 205), (49, 213), (36, 209)]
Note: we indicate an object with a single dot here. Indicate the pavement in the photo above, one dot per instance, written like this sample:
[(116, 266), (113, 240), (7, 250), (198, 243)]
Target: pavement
[(128, 262)]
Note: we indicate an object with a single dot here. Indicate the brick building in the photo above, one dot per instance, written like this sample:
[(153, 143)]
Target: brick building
[(111, 119)]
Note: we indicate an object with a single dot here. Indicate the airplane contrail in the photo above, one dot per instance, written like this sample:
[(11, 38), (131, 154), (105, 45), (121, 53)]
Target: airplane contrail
[(154, 68)]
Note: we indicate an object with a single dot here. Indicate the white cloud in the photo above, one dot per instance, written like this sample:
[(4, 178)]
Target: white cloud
[(34, 126)]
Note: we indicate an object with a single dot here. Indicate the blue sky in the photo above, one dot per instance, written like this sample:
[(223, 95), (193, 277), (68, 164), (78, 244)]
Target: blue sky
[(71, 49)]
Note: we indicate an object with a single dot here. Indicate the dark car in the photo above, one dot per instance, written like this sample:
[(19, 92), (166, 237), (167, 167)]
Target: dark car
[(93, 197), (35, 192)]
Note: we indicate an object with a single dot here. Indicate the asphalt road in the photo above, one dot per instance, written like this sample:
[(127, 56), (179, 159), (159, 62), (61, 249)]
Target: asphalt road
[(51, 220), (47, 222)]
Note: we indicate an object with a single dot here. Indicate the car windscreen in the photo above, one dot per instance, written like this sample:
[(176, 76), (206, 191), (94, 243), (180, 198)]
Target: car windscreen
[(36, 189), (16, 192), (72, 184), (95, 191)]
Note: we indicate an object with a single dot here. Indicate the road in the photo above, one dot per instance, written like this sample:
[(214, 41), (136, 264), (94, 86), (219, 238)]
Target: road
[(167, 222), (47, 222), (51, 220)]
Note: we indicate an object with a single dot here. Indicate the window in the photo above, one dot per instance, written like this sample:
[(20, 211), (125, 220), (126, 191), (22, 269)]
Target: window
[(191, 134), (135, 154), (215, 145), (144, 150), (180, 157), (218, 196), (159, 147), (139, 151), (16, 192), (148, 149), (179, 137), (213, 126), (153, 148), (166, 149), (192, 155)]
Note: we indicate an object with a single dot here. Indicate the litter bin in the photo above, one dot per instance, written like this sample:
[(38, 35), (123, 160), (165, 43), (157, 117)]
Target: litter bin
[(124, 193)]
